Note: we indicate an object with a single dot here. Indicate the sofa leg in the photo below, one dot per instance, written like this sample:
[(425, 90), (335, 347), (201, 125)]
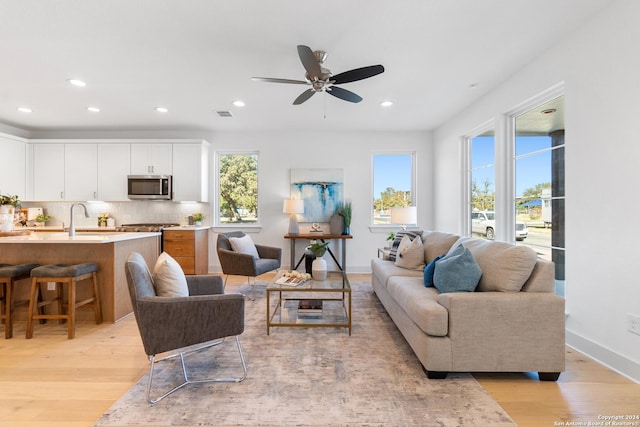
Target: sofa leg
[(548, 376), (435, 375)]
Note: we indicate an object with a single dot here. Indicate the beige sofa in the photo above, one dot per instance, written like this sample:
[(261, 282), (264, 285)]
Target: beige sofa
[(513, 322)]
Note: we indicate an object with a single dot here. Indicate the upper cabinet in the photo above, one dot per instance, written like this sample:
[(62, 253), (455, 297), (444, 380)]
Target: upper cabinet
[(113, 167), (48, 172), (13, 173), (151, 159), (191, 172), (80, 176), (76, 170)]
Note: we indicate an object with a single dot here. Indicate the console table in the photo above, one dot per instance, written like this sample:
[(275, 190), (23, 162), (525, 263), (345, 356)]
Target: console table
[(322, 237)]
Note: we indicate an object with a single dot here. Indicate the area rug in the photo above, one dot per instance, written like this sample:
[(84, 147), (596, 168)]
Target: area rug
[(312, 377)]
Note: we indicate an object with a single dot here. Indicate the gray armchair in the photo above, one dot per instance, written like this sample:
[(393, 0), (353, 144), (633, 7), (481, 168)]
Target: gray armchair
[(169, 324), (234, 263)]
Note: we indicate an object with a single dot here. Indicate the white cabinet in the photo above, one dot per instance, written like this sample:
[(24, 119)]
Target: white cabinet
[(151, 159), (113, 168), (48, 172), (12, 173), (191, 172), (80, 176)]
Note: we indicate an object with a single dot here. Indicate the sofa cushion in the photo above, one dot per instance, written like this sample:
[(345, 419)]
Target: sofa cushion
[(436, 243), (410, 254), (420, 304), (430, 269), (458, 271), (384, 269), (505, 267), (396, 241)]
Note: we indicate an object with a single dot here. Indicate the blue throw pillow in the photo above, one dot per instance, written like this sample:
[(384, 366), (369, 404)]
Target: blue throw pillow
[(430, 269), (457, 272)]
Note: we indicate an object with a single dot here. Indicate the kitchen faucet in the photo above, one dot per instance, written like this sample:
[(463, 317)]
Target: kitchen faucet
[(72, 226)]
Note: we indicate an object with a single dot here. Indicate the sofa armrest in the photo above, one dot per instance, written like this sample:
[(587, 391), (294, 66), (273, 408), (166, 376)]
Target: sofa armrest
[(506, 330), (269, 252)]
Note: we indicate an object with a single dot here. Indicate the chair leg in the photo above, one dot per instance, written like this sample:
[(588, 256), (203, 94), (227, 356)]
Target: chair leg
[(33, 304), (225, 281), (96, 299), (153, 361)]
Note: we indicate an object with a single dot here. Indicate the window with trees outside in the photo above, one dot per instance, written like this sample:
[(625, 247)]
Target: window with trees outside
[(237, 188), (483, 188), (393, 184)]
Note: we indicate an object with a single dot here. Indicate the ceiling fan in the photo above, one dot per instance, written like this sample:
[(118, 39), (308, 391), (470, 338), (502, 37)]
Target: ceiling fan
[(321, 80)]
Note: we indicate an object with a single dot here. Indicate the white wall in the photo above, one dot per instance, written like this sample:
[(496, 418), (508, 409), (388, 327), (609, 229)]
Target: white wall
[(350, 151), (600, 67)]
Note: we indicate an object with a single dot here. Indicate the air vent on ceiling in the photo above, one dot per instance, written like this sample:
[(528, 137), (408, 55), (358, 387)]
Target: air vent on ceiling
[(224, 113)]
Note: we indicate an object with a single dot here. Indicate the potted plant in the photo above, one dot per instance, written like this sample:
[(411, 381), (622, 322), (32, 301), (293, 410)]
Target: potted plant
[(102, 219), (8, 203), (198, 217), (344, 211), (390, 238), (41, 219), (319, 265)]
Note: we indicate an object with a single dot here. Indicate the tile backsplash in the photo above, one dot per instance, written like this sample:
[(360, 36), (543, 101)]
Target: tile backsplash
[(123, 212)]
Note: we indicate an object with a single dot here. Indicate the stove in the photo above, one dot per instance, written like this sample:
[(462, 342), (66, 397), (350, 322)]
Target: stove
[(145, 227)]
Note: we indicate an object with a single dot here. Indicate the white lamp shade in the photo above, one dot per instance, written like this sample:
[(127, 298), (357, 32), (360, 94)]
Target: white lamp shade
[(293, 206), (404, 216)]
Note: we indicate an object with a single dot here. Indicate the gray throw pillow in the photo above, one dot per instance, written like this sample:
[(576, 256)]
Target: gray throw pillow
[(457, 272)]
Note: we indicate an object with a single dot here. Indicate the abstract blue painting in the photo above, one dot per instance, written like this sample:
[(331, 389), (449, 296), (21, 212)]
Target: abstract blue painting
[(321, 189)]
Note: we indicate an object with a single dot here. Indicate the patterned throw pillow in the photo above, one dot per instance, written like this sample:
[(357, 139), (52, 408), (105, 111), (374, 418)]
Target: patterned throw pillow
[(393, 253)]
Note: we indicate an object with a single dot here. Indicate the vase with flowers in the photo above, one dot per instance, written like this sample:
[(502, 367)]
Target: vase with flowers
[(198, 217), (8, 204)]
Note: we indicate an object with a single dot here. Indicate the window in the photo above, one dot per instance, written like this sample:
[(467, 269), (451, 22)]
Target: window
[(539, 181), (393, 184), (237, 188), (482, 184)]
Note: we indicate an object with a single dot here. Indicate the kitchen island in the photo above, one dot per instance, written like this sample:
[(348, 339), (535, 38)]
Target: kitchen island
[(108, 250)]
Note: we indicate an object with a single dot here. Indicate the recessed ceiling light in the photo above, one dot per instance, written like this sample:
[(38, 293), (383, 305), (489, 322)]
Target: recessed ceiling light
[(25, 109), (238, 103), (386, 103), (76, 82), (473, 85), (93, 109), (548, 111), (162, 109)]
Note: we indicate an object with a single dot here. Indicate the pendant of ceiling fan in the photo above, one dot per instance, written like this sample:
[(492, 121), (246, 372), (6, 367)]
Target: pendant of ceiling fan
[(321, 80)]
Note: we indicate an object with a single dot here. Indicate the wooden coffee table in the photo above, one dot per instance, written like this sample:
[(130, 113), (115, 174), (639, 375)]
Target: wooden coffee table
[(283, 303)]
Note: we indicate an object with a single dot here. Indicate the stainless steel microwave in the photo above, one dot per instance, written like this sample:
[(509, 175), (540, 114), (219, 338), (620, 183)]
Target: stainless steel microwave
[(150, 187)]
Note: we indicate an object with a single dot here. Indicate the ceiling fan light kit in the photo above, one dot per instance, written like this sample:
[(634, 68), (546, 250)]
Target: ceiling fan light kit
[(321, 80)]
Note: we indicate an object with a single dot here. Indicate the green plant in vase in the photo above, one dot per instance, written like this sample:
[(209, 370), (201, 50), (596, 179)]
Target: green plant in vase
[(42, 219), (345, 211), (319, 265), (8, 203), (198, 217), (390, 238)]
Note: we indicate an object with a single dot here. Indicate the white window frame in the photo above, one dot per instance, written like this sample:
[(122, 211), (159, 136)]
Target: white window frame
[(216, 196), (414, 190)]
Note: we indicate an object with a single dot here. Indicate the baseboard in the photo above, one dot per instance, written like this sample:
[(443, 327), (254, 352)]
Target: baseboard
[(612, 360)]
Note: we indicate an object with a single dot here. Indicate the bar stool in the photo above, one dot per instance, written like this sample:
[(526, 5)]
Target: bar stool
[(9, 274), (61, 274)]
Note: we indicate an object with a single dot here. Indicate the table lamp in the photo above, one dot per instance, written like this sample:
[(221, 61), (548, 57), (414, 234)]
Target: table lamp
[(405, 215), (293, 207)]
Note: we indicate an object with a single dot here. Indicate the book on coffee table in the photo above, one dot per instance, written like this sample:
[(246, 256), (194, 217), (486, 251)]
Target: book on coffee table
[(310, 306)]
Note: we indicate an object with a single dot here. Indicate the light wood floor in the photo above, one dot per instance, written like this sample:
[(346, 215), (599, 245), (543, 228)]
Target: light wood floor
[(52, 381)]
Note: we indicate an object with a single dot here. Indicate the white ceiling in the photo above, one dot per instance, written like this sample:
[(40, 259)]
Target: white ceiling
[(196, 57)]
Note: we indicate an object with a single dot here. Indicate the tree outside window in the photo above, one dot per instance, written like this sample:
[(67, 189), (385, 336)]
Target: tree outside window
[(238, 188), (392, 184)]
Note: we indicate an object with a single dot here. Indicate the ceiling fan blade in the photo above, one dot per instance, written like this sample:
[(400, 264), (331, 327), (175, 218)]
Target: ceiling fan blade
[(272, 80), (357, 74), (309, 61), (344, 94), (304, 96)]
